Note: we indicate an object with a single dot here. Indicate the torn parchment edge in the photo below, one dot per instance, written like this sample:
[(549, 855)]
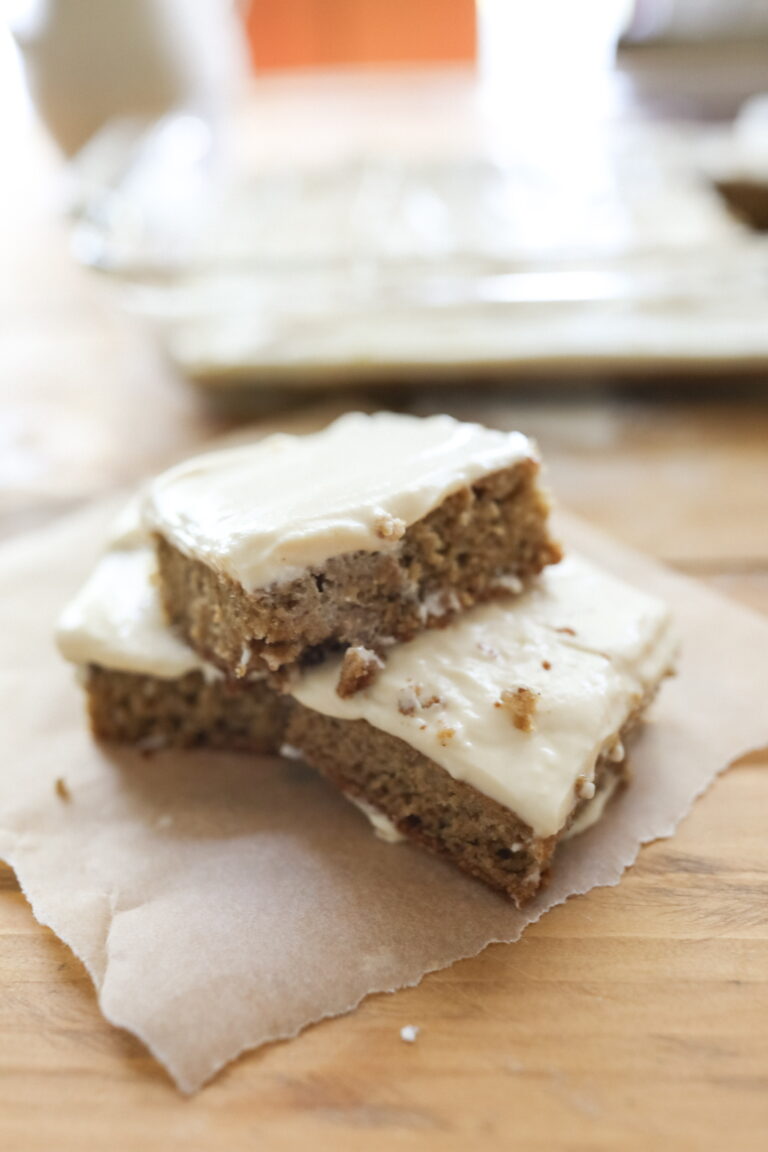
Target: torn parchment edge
[(610, 879)]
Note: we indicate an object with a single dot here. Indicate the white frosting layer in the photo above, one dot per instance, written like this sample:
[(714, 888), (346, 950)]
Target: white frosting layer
[(127, 529), (117, 621), (265, 512), (382, 826), (585, 687)]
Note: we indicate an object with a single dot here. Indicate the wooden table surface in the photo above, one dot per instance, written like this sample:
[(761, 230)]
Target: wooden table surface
[(630, 1018)]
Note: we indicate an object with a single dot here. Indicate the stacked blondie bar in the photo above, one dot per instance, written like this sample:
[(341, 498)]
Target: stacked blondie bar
[(382, 599)]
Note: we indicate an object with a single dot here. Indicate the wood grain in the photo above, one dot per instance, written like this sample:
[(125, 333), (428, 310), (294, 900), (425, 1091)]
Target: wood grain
[(631, 1018)]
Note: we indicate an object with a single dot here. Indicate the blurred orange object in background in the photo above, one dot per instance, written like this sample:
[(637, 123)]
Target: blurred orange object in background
[(318, 33)]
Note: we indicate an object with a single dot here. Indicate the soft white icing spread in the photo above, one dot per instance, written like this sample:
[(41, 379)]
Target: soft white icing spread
[(127, 529), (116, 620), (585, 686), (265, 512)]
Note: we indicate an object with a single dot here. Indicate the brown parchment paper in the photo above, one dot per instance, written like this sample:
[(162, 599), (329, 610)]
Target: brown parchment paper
[(219, 902)]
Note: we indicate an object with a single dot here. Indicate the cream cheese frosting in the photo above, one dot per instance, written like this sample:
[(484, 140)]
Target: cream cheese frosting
[(265, 512), (585, 646), (116, 620)]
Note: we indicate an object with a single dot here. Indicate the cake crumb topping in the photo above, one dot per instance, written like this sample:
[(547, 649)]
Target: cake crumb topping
[(566, 631), (409, 700), (585, 789), (520, 703), (389, 527), (445, 735), (359, 668), (62, 790)]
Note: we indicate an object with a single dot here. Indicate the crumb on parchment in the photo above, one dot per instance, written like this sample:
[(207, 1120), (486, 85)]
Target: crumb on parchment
[(62, 790)]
